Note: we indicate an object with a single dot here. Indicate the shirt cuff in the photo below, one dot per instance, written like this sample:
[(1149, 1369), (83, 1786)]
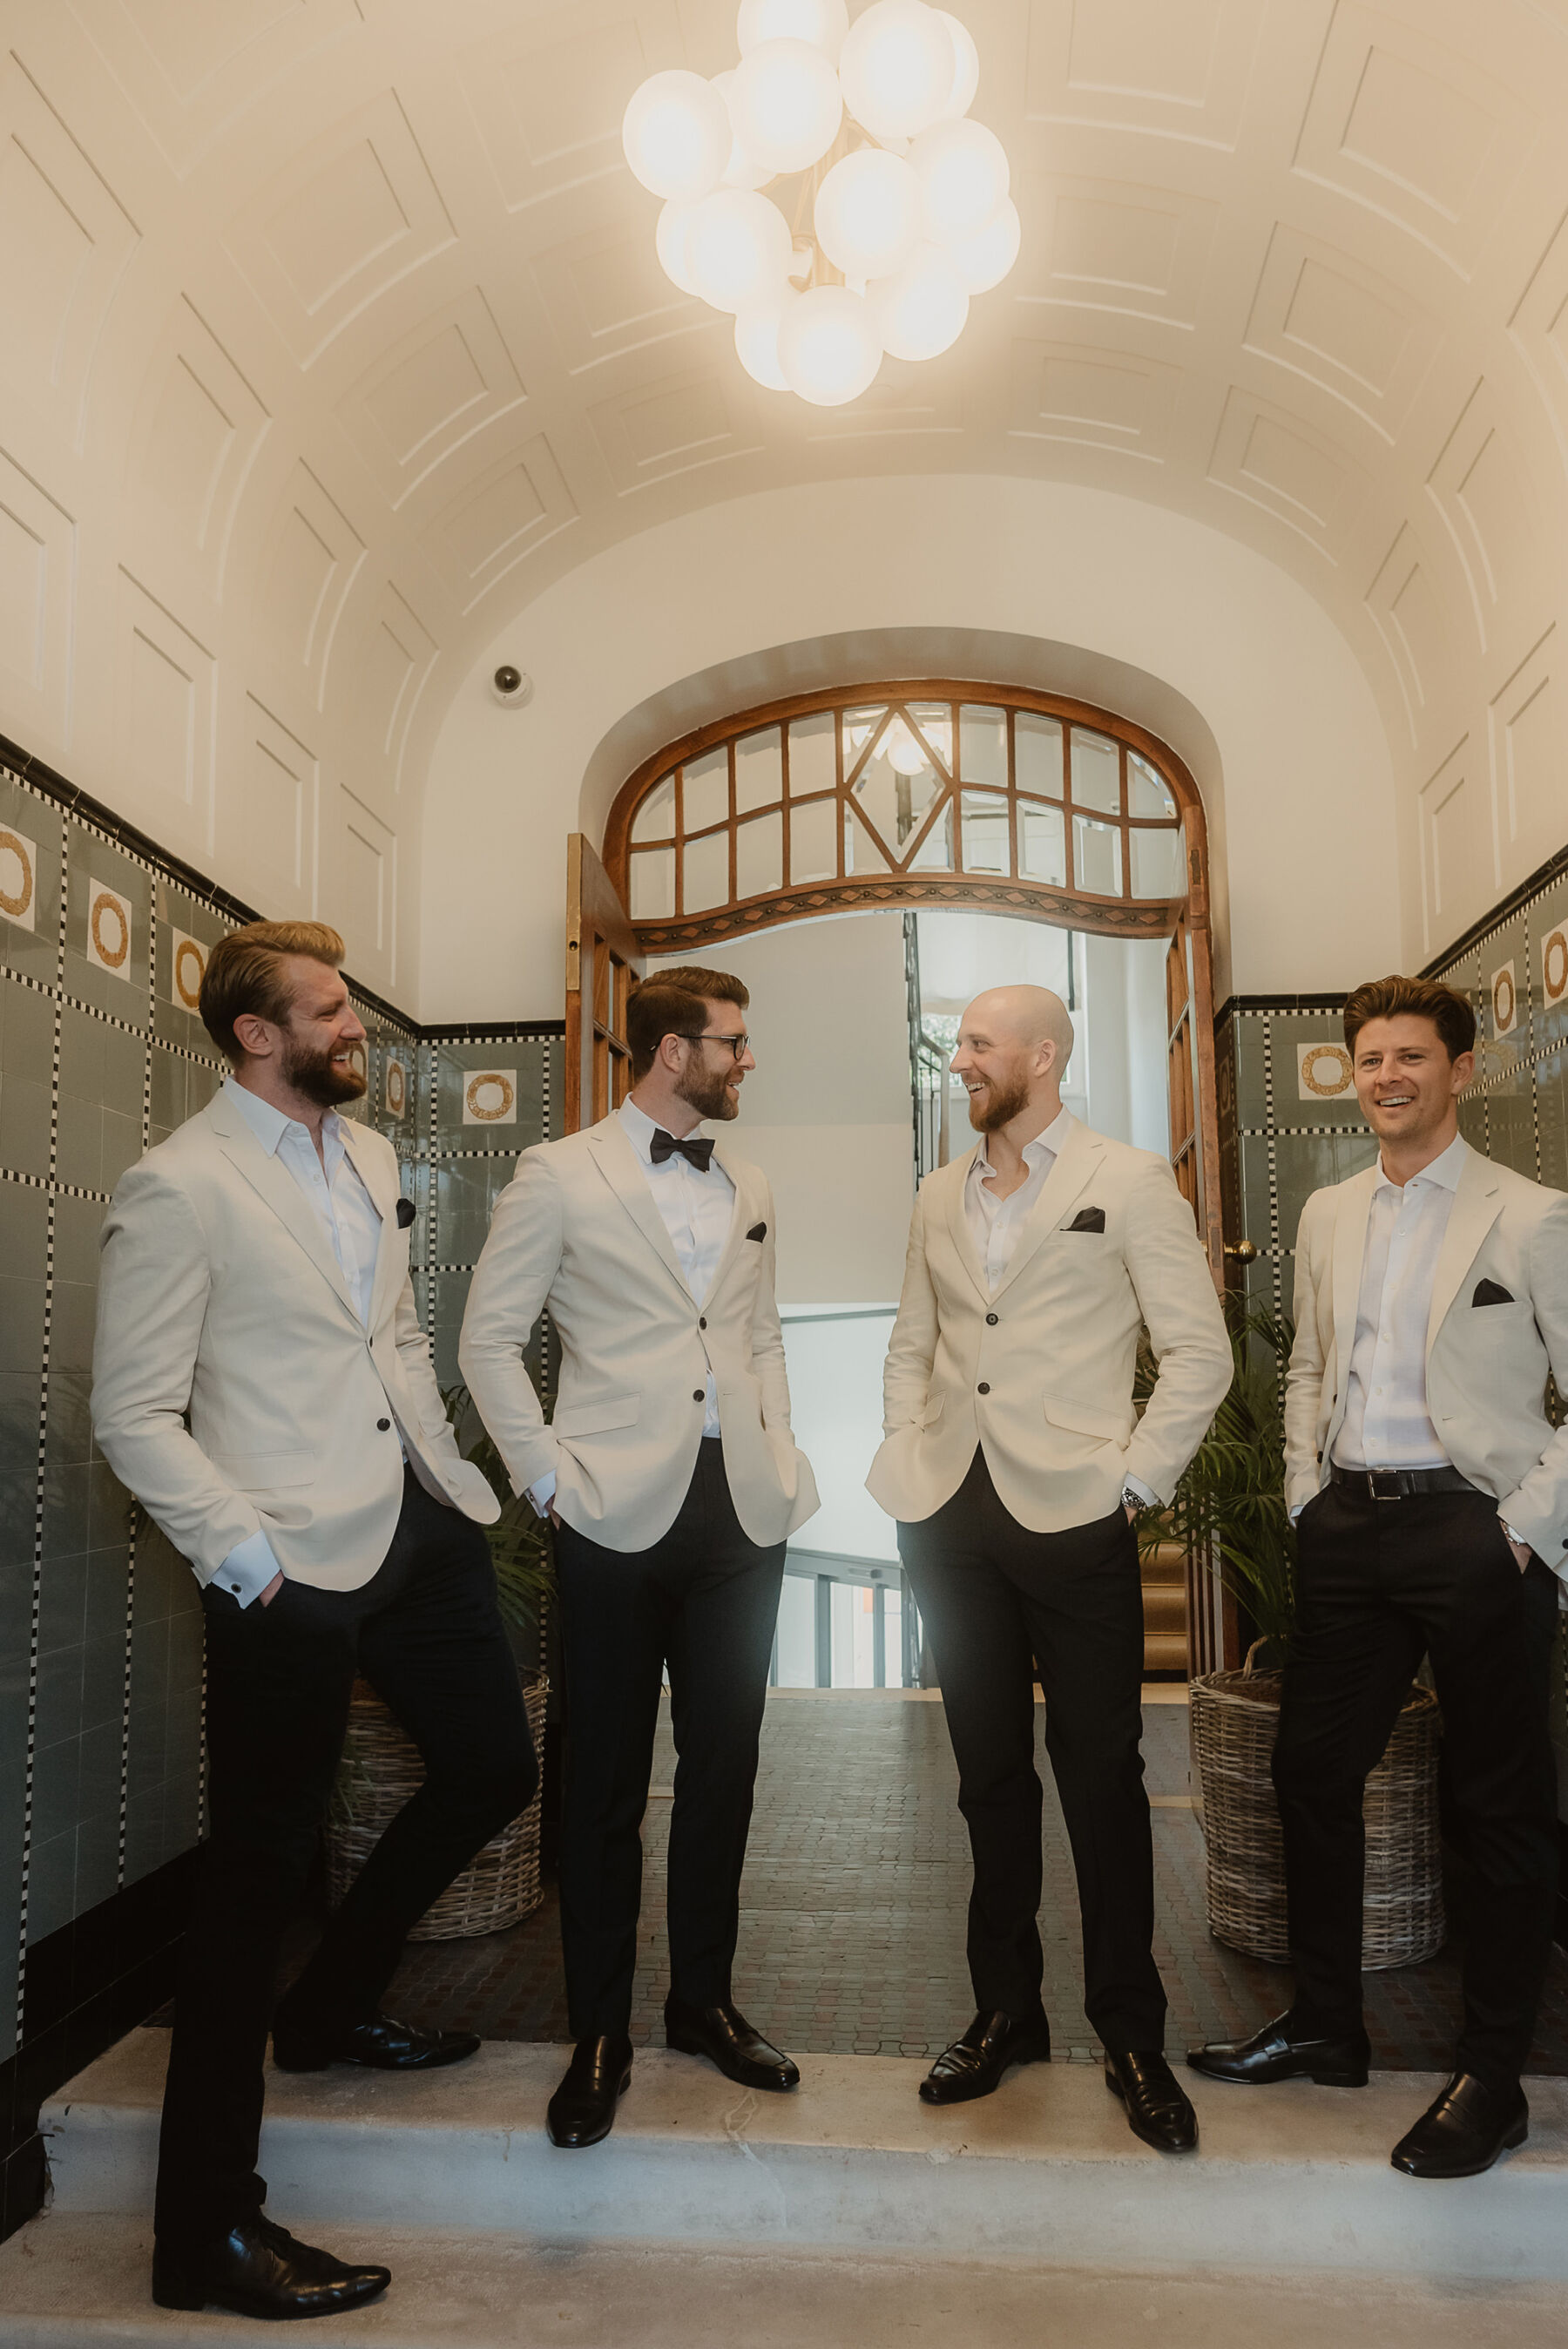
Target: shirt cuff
[(1150, 1499), (542, 1493), (247, 1570)]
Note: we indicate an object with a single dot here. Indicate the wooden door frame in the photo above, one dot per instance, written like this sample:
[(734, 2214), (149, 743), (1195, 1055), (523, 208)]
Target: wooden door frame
[(603, 957)]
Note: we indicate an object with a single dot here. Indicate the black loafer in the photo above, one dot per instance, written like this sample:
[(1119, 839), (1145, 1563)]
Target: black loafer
[(381, 2045), (1463, 2131), (1279, 2052), (974, 2064), (723, 2035), (1157, 2108), (582, 2110), (259, 2270)]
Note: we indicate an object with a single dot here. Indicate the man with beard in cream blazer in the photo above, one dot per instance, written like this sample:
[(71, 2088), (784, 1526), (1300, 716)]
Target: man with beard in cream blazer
[(674, 1481), (1015, 1464)]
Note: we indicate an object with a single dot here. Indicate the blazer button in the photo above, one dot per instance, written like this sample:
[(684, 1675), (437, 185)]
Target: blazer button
[(701, 1321), (698, 1395), (383, 1424), (984, 1387), (992, 1320)]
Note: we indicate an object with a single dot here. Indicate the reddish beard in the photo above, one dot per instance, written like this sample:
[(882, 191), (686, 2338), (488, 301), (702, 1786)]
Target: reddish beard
[(999, 1105), (310, 1071)]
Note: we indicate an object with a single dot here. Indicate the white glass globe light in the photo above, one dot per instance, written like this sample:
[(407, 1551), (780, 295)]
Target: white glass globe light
[(785, 105), (736, 249), (757, 343), (740, 172), (897, 67), (964, 177), (868, 214), (966, 77), (922, 311), (904, 755), (677, 135), (828, 348), (670, 239), (985, 258), (823, 23)]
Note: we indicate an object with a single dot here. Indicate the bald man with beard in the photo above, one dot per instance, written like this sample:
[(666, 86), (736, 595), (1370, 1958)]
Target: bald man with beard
[(1015, 1464)]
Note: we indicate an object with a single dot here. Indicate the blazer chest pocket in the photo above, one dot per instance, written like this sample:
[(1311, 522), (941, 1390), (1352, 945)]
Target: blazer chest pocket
[(1084, 1419), (598, 1418), (266, 1471)]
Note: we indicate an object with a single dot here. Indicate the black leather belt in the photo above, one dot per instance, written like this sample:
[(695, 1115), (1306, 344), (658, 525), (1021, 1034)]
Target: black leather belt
[(1400, 1484)]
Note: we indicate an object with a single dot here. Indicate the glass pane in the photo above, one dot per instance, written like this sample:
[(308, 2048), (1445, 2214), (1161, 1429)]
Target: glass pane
[(656, 818), (811, 764), (813, 854), (934, 854), (707, 795), (985, 832), (1097, 772), (1042, 847), (860, 725), (983, 745), (705, 869), (1146, 793), (935, 720), (861, 854), (759, 771), (897, 786), (1156, 863), (653, 884), (1037, 749), (758, 855), (1097, 856)]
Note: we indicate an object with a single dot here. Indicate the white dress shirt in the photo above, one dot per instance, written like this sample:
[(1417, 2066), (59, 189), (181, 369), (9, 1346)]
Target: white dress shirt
[(1387, 1423), (697, 1209), (352, 1221)]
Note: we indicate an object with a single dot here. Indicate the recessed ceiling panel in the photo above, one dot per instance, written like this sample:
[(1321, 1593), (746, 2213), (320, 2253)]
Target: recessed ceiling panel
[(1180, 68), (604, 293), (1325, 316), (1102, 244), (1283, 465), (674, 424), (163, 703), (1526, 731), (204, 426), (548, 97), (1111, 399), (1481, 489), (1456, 848), (315, 556), (502, 520), (429, 396), (1407, 614), (277, 813), (37, 565)]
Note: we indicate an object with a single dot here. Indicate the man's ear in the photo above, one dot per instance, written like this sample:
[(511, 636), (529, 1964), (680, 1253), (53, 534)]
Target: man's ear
[(253, 1034), (1463, 1071)]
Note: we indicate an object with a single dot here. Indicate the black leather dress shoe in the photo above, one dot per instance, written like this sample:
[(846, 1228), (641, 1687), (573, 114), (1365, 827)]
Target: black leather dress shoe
[(974, 2063), (1157, 2109), (723, 2035), (259, 2270), (382, 2044), (1279, 2052), (1463, 2131), (582, 2110)]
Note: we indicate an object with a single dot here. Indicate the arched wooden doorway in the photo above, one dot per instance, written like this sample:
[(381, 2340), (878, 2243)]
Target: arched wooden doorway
[(945, 792)]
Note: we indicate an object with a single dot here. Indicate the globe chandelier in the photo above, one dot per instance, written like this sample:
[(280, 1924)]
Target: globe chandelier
[(829, 192)]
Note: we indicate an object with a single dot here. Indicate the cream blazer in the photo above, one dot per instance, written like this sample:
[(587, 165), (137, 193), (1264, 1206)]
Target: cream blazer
[(1054, 1346), (1486, 1364), (577, 1234), (235, 1388)]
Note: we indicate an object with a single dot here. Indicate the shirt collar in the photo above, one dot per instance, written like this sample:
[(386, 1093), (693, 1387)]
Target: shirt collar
[(269, 1124), (1044, 1145), (640, 1129), (1444, 1171)]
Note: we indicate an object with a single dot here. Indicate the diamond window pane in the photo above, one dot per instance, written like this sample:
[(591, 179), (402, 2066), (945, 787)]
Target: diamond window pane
[(896, 803), (656, 818), (705, 873), (653, 884), (1156, 858), (1097, 772), (859, 728), (935, 720), (983, 745), (934, 854), (1148, 793), (706, 794), (812, 765), (813, 851), (861, 854), (985, 845), (1097, 856), (758, 855), (1037, 749), (759, 770), (1042, 845)]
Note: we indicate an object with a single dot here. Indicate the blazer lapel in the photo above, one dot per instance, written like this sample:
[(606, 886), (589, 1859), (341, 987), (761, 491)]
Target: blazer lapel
[(1355, 1207), (617, 1161), (1478, 1203), (957, 1178), (1075, 1162), (742, 1215), (371, 1168), (272, 1180)]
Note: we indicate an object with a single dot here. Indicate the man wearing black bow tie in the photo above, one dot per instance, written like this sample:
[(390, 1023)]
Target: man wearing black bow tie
[(674, 1482)]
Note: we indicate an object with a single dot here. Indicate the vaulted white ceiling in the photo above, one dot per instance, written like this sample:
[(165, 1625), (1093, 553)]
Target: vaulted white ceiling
[(331, 334)]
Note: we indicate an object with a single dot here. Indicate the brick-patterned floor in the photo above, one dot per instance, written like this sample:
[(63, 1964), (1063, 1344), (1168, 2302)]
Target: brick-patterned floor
[(852, 1912)]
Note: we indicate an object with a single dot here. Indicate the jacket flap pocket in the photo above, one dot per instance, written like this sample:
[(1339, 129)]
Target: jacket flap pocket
[(1065, 1411), (266, 1471), (931, 1410), (598, 1418)]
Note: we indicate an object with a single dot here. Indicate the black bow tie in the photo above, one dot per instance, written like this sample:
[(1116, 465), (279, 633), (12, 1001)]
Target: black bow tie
[(697, 1148)]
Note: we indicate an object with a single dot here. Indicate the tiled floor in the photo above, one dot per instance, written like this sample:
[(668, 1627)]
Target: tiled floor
[(852, 1912)]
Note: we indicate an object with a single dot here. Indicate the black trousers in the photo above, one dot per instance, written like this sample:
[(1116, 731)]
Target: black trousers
[(997, 1601), (426, 1632), (1380, 1584), (704, 1601)]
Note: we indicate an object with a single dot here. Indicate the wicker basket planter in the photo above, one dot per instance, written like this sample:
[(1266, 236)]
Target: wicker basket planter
[(381, 1769), (1234, 1721)]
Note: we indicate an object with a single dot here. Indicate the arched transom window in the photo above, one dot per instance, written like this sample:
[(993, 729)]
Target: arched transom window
[(943, 793)]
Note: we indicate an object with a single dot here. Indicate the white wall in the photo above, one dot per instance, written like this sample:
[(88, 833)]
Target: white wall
[(1304, 757)]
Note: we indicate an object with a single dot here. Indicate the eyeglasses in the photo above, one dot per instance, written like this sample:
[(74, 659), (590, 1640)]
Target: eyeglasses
[(738, 1044)]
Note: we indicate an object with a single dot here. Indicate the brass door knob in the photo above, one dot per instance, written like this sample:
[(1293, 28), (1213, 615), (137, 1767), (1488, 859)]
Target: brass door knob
[(1243, 1250)]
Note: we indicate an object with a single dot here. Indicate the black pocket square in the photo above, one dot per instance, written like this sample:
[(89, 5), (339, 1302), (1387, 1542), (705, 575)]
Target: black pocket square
[(405, 1213), (1088, 1219), (1491, 1292), (758, 1232)]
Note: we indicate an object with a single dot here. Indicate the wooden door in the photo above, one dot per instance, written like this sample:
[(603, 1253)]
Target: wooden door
[(602, 961)]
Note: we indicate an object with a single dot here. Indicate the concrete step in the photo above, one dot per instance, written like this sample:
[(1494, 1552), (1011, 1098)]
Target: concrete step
[(72, 2282), (1294, 2177)]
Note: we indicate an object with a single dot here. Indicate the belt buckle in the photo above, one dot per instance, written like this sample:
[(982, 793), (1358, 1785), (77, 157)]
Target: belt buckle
[(1389, 1476)]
